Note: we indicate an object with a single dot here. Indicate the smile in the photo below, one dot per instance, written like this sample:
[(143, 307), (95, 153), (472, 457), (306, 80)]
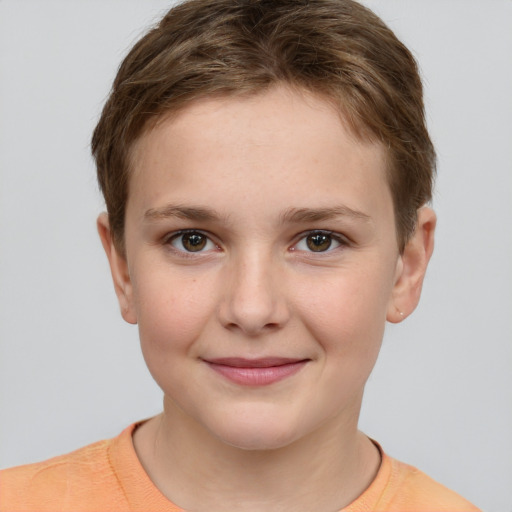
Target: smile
[(256, 372)]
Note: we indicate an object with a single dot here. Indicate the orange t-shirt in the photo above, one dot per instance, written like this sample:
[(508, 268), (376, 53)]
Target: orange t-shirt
[(107, 476)]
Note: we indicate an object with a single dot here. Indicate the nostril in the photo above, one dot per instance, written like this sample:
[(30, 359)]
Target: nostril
[(252, 329)]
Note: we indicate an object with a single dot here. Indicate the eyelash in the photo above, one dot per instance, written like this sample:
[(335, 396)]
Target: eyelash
[(168, 241), (333, 237), (340, 240)]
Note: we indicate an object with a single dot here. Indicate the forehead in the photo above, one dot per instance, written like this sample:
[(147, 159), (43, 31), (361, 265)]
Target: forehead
[(281, 104), (283, 139)]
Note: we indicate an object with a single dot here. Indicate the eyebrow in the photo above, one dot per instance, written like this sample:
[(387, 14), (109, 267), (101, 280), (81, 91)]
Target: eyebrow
[(289, 216), (296, 215), (182, 212)]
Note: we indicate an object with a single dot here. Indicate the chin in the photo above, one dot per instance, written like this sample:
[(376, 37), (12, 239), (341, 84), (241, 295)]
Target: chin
[(256, 436), (257, 442)]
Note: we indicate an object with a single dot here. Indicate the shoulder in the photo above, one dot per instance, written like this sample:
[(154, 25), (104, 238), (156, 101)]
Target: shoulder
[(412, 490), (69, 482), (399, 487)]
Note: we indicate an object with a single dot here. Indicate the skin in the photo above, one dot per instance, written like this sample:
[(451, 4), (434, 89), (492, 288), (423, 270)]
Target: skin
[(254, 177)]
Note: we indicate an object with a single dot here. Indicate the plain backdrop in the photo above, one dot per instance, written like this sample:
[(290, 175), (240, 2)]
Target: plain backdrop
[(71, 371)]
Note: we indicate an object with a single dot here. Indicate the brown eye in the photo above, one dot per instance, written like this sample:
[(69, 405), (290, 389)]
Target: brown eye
[(193, 241), (318, 242)]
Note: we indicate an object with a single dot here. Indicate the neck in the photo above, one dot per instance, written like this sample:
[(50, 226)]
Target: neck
[(325, 470)]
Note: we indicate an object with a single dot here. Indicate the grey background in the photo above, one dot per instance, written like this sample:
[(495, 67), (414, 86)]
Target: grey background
[(71, 371)]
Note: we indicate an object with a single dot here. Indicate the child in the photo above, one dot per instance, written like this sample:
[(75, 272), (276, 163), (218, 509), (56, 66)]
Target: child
[(266, 169)]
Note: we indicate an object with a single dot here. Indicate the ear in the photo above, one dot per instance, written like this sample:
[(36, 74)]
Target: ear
[(411, 267), (119, 269)]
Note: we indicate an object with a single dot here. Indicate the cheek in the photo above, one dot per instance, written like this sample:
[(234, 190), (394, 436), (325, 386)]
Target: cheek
[(172, 311), (346, 313)]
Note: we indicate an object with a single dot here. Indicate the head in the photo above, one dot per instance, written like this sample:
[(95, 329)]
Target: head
[(336, 49), (264, 167)]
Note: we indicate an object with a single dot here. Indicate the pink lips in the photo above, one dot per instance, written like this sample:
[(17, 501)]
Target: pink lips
[(256, 372)]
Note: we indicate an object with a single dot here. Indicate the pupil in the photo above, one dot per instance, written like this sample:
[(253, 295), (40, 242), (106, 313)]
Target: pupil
[(319, 242), (194, 242)]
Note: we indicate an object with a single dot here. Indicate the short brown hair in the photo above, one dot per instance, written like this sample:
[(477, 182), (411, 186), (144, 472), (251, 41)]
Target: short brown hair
[(336, 48)]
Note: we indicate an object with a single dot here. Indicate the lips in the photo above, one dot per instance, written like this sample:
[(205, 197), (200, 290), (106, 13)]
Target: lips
[(256, 372)]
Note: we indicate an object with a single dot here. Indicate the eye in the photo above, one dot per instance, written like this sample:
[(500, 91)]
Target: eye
[(319, 241), (191, 241)]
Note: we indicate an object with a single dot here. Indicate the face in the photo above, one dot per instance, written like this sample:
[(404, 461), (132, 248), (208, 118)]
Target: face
[(261, 264)]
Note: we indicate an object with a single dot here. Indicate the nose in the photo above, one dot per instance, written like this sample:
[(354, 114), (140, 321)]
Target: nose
[(254, 300)]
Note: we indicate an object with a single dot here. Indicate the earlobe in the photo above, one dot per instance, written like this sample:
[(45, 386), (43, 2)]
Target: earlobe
[(411, 267), (119, 270)]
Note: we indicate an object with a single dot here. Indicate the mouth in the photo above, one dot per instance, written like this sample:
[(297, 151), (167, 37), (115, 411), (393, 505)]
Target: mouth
[(256, 372)]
